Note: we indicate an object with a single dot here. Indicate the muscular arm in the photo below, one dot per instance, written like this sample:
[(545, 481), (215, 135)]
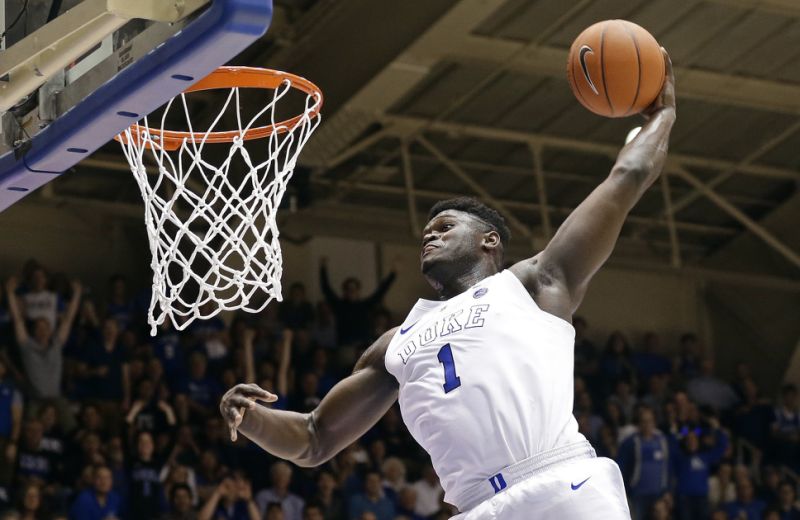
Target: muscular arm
[(353, 406), (560, 274)]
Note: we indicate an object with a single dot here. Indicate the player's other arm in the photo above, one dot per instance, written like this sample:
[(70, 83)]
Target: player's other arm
[(587, 237), (351, 407)]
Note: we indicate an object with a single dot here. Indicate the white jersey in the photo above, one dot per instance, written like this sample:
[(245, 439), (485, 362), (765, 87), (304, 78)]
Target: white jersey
[(486, 380)]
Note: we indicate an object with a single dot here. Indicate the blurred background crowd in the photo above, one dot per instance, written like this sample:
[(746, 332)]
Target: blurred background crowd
[(99, 420)]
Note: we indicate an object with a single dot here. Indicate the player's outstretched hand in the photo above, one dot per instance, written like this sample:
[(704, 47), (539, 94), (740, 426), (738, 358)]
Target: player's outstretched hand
[(666, 98), (238, 400)]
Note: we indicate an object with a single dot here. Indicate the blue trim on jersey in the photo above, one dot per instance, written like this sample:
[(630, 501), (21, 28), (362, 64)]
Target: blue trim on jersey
[(498, 483)]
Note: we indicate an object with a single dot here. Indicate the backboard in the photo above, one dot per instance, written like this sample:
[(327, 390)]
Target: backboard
[(70, 83)]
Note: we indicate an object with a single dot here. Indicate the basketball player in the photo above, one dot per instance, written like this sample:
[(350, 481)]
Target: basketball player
[(484, 376)]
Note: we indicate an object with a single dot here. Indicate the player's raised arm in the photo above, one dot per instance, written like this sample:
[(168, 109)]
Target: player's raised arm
[(587, 237), (351, 407)]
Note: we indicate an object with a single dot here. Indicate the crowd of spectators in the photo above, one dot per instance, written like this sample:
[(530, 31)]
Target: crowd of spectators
[(99, 420), (673, 427)]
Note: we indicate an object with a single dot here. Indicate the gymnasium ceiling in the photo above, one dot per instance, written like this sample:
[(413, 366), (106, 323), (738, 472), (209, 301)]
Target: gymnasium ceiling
[(428, 99)]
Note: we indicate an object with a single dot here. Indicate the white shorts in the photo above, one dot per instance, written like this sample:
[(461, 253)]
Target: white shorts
[(575, 490)]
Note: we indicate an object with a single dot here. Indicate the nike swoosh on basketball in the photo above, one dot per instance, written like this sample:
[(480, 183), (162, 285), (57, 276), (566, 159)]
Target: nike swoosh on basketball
[(403, 331), (576, 486), (582, 56)]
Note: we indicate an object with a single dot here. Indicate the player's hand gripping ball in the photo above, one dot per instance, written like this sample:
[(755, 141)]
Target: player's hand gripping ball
[(616, 68)]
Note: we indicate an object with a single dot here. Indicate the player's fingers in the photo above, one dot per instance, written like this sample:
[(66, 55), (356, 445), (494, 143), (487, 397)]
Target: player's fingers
[(668, 62), (668, 92), (253, 390), (238, 402), (234, 419)]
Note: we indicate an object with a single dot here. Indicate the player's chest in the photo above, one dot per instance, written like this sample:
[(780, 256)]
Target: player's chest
[(447, 324)]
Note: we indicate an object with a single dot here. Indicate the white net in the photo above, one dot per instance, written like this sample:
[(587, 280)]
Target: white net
[(211, 219)]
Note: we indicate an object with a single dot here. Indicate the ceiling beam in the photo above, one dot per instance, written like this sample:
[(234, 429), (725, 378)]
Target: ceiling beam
[(519, 205), (788, 8), (787, 252), (475, 186), (692, 83), (409, 125)]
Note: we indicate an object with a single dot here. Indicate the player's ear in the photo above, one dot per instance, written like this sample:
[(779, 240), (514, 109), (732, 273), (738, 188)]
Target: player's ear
[(491, 240)]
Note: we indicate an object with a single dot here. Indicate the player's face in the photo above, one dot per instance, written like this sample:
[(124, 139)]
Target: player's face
[(451, 236)]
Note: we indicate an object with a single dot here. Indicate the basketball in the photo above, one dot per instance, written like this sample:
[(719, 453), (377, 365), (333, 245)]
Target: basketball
[(616, 68)]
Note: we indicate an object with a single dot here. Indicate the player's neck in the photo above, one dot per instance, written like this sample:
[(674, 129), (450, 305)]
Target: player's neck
[(458, 282)]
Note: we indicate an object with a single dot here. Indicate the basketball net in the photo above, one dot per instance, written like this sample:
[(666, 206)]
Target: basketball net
[(211, 221)]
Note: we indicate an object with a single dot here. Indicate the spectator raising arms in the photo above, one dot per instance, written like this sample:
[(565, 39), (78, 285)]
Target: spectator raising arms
[(692, 458), (352, 312), (98, 420), (41, 352), (38, 301)]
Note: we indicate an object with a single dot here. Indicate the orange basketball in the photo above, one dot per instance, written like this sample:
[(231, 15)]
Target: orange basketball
[(616, 68)]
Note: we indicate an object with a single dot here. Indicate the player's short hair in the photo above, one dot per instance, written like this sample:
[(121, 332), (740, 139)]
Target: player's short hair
[(478, 209)]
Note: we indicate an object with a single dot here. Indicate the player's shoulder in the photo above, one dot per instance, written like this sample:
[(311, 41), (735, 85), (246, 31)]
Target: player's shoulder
[(545, 284), (536, 273)]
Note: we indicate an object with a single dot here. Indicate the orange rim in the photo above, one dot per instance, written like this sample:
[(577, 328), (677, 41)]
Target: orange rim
[(233, 77)]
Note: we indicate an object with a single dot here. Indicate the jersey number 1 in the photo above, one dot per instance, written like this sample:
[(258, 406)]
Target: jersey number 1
[(451, 380)]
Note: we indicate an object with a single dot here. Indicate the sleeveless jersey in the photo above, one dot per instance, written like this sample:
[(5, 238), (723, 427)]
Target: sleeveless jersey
[(486, 380)]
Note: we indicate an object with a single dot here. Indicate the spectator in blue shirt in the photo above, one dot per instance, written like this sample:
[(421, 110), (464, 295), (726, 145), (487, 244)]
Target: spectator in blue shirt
[(33, 461), (692, 463), (372, 500), (644, 461), (10, 423), (167, 348), (687, 363), (99, 502), (146, 495), (746, 506), (649, 361), (786, 428), (120, 306), (202, 390), (107, 374), (615, 363)]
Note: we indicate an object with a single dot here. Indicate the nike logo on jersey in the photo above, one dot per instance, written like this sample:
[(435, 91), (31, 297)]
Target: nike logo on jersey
[(403, 331), (582, 56), (575, 487)]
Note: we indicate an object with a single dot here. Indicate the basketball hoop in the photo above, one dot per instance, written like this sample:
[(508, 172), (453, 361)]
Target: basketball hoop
[(211, 220)]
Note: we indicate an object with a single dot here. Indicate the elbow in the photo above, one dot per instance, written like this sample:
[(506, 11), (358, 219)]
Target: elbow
[(316, 452), (310, 461), (313, 457)]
